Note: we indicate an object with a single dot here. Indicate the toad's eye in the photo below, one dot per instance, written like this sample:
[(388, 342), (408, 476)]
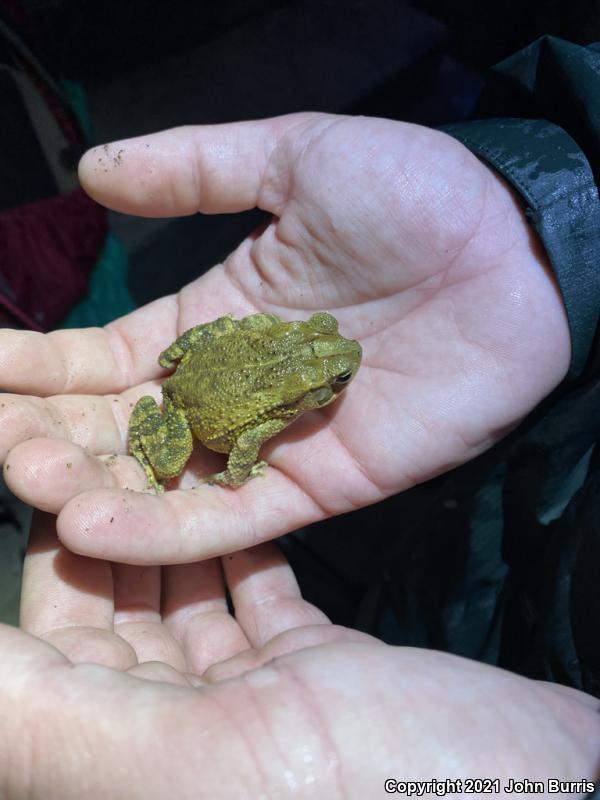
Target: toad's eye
[(343, 378)]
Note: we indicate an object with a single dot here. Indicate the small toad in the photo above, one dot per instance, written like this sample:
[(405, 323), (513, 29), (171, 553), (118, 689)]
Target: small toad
[(236, 384)]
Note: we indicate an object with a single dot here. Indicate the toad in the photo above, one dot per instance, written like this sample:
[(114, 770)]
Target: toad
[(236, 384)]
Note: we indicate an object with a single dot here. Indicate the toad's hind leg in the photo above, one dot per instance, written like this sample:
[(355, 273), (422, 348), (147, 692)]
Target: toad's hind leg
[(196, 338), (161, 441)]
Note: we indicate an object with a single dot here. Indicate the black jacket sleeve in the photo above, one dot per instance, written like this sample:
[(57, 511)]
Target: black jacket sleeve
[(539, 127)]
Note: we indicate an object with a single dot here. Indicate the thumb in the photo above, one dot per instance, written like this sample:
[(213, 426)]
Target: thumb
[(214, 169)]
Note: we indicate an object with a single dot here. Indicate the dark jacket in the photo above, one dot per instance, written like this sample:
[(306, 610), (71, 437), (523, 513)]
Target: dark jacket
[(539, 127)]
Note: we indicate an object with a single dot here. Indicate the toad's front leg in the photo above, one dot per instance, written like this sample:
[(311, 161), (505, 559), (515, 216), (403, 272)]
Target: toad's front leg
[(242, 463), (160, 440)]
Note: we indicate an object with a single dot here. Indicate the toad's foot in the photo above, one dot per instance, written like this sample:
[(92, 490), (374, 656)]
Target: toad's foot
[(228, 478), (242, 464)]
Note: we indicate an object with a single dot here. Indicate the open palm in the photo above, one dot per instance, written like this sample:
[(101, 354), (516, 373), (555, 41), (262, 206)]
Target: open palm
[(421, 252)]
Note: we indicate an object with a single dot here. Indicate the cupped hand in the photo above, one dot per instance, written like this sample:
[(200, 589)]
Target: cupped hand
[(422, 253), (132, 682)]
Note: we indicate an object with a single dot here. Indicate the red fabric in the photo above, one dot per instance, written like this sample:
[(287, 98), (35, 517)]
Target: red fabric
[(47, 251)]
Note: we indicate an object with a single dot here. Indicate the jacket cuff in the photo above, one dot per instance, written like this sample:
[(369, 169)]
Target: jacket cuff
[(546, 166)]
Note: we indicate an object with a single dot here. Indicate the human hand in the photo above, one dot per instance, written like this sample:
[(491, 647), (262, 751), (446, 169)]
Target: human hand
[(421, 251), (136, 683)]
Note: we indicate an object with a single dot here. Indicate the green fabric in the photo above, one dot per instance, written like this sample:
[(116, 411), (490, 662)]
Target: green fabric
[(74, 93), (108, 296)]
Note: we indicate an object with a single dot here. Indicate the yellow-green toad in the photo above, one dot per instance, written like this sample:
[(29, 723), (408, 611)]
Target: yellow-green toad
[(238, 383)]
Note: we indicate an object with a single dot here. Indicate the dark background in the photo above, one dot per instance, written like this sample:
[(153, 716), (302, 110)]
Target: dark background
[(148, 65)]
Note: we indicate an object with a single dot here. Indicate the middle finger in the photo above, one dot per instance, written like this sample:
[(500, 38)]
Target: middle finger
[(47, 473), (137, 592), (195, 611)]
